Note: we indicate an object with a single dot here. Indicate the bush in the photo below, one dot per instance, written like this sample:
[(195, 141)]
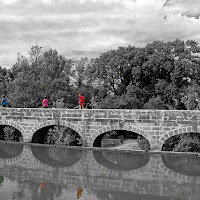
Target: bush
[(110, 135), (156, 103), (113, 135), (188, 143), (11, 134), (143, 144), (60, 135)]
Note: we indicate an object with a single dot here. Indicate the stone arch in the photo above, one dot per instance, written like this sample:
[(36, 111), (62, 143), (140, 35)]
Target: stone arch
[(53, 122), (74, 127), (105, 129), (174, 132), (17, 126)]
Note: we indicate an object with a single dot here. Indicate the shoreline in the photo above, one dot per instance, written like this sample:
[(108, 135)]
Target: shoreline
[(107, 149)]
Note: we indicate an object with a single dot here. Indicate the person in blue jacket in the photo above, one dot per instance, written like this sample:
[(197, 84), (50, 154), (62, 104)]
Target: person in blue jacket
[(3, 101)]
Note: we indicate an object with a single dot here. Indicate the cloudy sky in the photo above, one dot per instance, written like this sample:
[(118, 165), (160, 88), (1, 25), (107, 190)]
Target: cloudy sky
[(77, 28)]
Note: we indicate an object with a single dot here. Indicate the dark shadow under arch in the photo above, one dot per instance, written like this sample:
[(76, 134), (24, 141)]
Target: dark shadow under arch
[(16, 136), (40, 136), (120, 134), (123, 135), (121, 161), (187, 165), (184, 142), (10, 150), (57, 157)]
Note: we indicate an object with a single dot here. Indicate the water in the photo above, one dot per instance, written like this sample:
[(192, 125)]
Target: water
[(51, 173)]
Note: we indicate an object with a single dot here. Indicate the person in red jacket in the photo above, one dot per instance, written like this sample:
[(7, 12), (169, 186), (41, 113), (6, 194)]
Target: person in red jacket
[(79, 192), (82, 101)]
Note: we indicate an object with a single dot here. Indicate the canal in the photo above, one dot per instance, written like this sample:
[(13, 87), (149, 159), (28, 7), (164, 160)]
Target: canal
[(38, 172)]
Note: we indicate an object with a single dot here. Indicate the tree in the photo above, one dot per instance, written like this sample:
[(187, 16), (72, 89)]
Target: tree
[(5, 78), (190, 96), (155, 103), (43, 73), (112, 70), (161, 75)]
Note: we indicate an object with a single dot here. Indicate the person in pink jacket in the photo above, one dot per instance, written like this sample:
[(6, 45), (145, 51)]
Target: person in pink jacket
[(45, 102)]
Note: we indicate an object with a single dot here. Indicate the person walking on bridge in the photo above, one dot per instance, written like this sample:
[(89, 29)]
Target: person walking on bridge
[(3, 101), (45, 102), (82, 101)]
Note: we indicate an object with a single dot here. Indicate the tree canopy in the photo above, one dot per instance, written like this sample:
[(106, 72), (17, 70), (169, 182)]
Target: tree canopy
[(161, 75)]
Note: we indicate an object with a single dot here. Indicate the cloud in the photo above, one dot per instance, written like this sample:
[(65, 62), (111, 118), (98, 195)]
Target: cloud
[(190, 8), (88, 27)]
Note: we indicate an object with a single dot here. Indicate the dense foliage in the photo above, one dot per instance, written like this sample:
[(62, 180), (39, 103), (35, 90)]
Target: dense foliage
[(9, 133), (60, 135), (161, 75), (188, 142)]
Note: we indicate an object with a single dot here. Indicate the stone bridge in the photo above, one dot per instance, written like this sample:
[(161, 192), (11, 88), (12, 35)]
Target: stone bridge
[(155, 125), (153, 178)]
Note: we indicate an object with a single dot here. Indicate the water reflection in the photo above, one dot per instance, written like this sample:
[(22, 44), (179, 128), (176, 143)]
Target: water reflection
[(57, 157), (117, 195), (187, 165), (10, 150), (20, 180), (1, 179), (30, 190), (121, 161), (79, 192)]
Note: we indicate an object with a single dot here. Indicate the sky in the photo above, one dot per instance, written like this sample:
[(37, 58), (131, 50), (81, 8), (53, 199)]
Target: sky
[(86, 28)]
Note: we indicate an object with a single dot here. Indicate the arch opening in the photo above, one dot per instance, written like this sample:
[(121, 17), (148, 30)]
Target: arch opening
[(122, 139), (57, 135), (10, 133), (185, 142)]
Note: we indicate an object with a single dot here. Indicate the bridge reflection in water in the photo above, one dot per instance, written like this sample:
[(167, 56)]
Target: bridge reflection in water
[(189, 165), (56, 157), (10, 150), (104, 195), (121, 161), (40, 172)]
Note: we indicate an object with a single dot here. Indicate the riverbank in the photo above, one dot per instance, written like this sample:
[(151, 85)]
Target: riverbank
[(130, 144), (113, 149)]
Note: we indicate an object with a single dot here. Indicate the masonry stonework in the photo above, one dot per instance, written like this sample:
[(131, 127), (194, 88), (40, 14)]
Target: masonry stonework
[(155, 125)]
